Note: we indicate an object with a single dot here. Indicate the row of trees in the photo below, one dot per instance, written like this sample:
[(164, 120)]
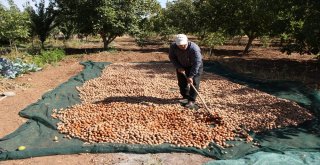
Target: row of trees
[(107, 18), (295, 22), (13, 24)]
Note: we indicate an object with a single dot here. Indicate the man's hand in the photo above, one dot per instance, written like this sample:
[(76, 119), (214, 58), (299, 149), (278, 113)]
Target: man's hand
[(181, 70), (190, 80)]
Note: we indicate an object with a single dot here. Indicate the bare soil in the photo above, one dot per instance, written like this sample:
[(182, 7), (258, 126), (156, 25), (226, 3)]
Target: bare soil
[(30, 87)]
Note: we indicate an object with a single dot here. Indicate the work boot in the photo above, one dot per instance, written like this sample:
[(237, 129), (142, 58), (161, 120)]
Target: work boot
[(183, 101), (190, 104)]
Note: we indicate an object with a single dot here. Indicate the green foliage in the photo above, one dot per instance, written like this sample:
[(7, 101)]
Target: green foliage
[(67, 27), (145, 37), (265, 41), (163, 26), (108, 18), (16, 67), (49, 57), (254, 18), (284, 36), (181, 15), (304, 27), (146, 32), (167, 33), (67, 23), (42, 20), (213, 39), (13, 24), (187, 16)]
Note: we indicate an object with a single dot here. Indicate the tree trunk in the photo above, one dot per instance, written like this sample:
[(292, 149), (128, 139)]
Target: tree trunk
[(246, 50), (105, 42), (16, 48), (211, 51), (42, 40), (10, 41), (239, 40), (32, 43), (42, 44), (281, 42), (202, 35)]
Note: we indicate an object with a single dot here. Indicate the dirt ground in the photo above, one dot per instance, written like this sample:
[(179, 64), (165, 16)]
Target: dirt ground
[(30, 87)]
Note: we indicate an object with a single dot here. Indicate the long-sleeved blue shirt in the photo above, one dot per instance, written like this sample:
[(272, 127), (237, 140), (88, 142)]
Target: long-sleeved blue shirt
[(191, 57)]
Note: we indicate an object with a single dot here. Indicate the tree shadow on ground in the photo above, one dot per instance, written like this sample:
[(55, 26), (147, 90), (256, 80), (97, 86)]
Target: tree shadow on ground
[(145, 50), (292, 90), (138, 100), (252, 81), (162, 67), (73, 51), (309, 127), (223, 52)]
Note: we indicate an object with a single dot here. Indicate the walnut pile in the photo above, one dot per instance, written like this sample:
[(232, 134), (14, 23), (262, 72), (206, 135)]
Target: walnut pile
[(137, 104), (120, 122)]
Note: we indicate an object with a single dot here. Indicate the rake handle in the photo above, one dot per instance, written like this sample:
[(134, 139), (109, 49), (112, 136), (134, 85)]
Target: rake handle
[(3, 98), (204, 103)]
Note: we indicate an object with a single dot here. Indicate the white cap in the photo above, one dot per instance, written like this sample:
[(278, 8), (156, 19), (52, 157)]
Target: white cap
[(181, 39)]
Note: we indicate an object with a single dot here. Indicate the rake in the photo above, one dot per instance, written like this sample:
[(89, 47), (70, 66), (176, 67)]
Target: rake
[(6, 94), (216, 115)]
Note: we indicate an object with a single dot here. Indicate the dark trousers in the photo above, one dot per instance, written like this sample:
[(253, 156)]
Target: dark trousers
[(186, 91)]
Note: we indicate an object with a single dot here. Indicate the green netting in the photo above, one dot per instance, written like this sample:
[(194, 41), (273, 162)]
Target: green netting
[(37, 134), (266, 158)]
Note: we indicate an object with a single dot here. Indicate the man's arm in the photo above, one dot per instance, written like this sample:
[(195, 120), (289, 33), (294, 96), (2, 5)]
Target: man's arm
[(197, 62), (173, 57)]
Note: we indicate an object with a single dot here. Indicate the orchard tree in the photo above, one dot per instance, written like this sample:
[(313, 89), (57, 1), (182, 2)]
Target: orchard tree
[(162, 25), (311, 28), (213, 17), (213, 39), (13, 24), (146, 25), (303, 27), (182, 15), (186, 16), (42, 19), (66, 25), (108, 18), (253, 18)]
